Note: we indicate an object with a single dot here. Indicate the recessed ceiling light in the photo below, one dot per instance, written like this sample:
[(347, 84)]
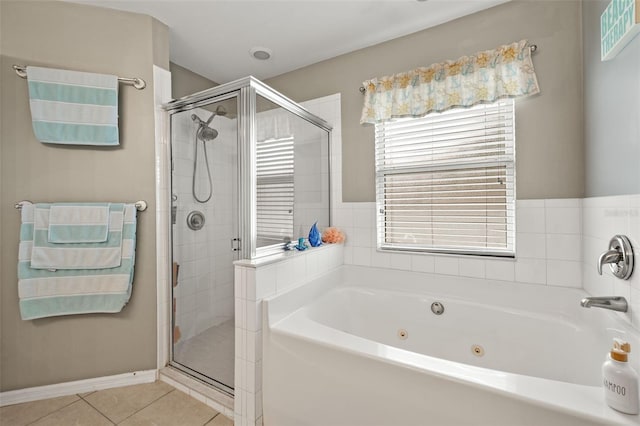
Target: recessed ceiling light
[(261, 53)]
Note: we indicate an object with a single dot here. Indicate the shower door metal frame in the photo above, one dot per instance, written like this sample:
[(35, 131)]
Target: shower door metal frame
[(246, 91), (259, 88), (175, 364)]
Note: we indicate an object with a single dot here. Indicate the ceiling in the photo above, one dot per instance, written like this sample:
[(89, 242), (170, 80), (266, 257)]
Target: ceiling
[(214, 37)]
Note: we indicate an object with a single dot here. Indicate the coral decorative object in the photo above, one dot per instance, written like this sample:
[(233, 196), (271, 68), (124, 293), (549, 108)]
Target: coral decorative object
[(333, 235)]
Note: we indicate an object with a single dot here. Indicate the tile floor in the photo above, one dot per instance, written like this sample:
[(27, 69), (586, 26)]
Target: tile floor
[(155, 404), (210, 353)]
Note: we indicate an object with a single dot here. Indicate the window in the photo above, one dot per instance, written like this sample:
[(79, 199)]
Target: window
[(445, 182), (275, 190)]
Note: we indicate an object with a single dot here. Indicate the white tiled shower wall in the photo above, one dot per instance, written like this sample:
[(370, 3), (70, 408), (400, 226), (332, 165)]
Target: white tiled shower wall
[(204, 294)]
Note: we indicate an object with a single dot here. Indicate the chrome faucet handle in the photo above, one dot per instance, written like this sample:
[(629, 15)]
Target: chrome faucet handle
[(609, 256), (619, 257)]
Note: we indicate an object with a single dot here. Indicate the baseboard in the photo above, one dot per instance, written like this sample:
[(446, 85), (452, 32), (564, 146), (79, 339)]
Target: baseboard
[(79, 386)]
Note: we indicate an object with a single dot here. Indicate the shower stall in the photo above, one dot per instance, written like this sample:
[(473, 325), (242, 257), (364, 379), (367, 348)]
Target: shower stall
[(249, 174)]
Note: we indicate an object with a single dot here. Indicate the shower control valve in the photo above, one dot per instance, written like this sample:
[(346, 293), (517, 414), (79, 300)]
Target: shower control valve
[(195, 220), (619, 257)]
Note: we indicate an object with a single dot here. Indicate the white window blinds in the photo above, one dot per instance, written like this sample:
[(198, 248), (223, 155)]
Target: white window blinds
[(275, 190), (446, 182)]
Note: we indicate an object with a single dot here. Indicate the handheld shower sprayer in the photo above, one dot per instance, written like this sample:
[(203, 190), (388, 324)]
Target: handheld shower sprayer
[(197, 119), (204, 133)]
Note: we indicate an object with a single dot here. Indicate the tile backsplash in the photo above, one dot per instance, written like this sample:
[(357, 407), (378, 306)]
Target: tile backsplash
[(548, 246), (604, 217), (558, 242)]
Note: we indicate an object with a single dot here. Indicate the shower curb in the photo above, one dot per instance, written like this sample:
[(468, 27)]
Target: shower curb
[(213, 398)]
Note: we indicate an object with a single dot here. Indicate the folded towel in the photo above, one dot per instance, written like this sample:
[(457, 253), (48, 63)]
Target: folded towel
[(71, 223), (108, 254), (45, 293), (72, 107)]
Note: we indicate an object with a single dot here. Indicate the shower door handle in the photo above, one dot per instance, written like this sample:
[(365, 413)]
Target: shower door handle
[(235, 244)]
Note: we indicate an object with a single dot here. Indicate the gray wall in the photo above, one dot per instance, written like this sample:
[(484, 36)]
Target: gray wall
[(83, 38), (611, 111), (185, 82), (549, 153)]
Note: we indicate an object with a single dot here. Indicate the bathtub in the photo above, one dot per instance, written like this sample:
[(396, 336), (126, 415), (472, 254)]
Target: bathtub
[(361, 346)]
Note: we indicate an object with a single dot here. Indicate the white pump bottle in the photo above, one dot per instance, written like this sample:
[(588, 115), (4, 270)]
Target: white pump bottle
[(620, 380)]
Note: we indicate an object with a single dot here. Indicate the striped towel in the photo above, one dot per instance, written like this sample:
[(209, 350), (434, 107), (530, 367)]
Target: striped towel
[(72, 223), (45, 293), (98, 255), (74, 108)]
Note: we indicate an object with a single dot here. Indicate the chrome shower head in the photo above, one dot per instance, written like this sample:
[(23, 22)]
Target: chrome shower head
[(206, 133)]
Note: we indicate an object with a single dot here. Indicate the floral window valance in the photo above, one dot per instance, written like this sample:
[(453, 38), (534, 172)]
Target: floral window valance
[(505, 72)]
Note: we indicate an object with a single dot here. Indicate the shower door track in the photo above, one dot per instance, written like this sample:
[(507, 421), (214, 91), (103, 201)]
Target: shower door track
[(202, 378)]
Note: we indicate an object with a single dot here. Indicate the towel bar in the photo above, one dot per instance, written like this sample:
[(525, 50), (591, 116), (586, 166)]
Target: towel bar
[(141, 205), (136, 82)]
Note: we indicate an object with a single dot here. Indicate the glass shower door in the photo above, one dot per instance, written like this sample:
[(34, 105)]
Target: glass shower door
[(204, 149)]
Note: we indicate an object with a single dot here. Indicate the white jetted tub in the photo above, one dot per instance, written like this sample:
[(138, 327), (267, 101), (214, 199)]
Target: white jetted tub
[(362, 346)]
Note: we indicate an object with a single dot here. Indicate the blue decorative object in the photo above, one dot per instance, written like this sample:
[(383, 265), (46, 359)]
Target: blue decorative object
[(301, 245), (314, 236)]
